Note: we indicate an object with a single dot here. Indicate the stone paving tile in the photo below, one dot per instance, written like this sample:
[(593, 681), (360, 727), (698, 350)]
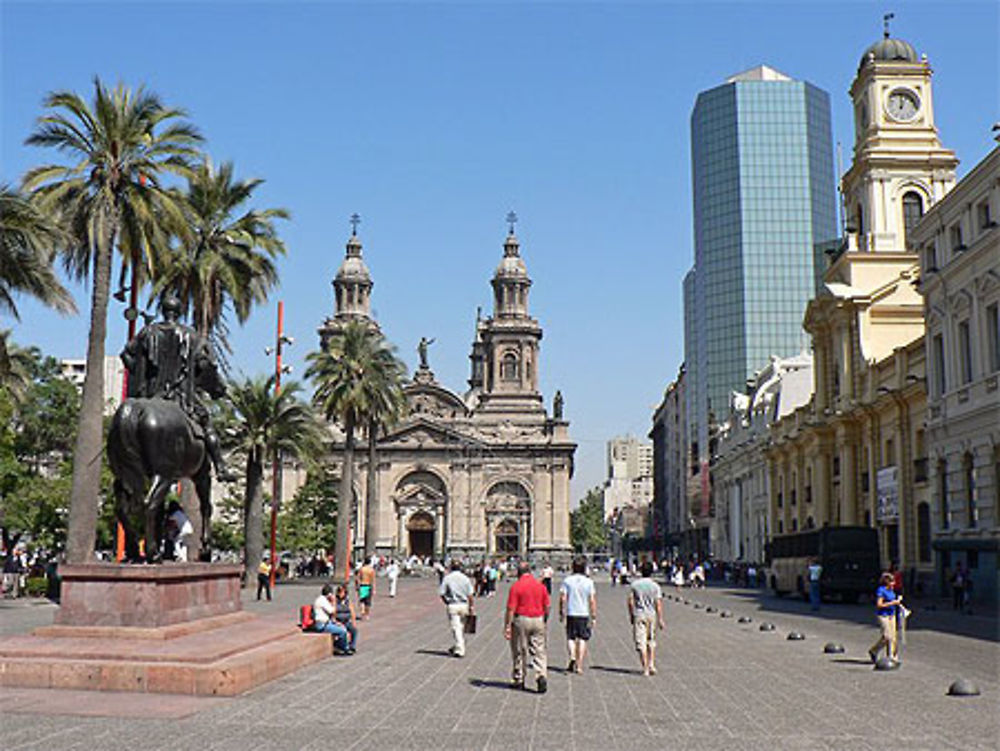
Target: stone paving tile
[(719, 685)]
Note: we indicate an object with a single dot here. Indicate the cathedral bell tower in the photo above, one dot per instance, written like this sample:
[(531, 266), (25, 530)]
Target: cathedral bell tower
[(900, 167), (507, 343), (352, 289)]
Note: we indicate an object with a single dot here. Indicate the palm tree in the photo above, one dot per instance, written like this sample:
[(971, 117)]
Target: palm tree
[(356, 375), (108, 197), (28, 240), (228, 256), (16, 365), (264, 424), (387, 407)]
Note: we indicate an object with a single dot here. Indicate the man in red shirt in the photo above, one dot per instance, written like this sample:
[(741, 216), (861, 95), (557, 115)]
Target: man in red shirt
[(524, 626)]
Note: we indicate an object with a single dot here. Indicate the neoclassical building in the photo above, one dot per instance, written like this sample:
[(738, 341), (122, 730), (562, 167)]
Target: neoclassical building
[(959, 246), (481, 473), (856, 454)]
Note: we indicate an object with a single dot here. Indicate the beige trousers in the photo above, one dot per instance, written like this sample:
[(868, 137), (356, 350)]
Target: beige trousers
[(887, 638), (527, 639)]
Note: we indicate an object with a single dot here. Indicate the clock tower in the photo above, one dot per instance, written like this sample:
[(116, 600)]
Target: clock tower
[(900, 167)]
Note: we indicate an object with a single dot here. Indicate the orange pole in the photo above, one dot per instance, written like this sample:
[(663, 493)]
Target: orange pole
[(276, 468), (133, 305)]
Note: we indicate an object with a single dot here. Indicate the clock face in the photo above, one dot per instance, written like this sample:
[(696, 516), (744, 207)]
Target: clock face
[(902, 104)]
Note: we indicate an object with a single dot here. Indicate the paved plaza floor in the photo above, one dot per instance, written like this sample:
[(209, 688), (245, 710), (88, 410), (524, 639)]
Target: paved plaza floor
[(720, 685)]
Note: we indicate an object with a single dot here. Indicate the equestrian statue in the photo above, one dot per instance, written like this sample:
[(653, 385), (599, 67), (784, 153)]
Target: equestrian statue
[(163, 431)]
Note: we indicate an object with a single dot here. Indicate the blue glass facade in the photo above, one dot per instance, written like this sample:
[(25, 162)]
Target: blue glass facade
[(764, 196)]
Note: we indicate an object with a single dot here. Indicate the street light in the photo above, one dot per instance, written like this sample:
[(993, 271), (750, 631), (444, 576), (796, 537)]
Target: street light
[(280, 339)]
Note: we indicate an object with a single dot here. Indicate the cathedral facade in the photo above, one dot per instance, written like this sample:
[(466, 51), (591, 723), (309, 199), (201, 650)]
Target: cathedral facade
[(483, 473)]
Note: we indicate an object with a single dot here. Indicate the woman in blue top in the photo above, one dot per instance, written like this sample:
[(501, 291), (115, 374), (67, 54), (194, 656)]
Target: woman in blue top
[(886, 603)]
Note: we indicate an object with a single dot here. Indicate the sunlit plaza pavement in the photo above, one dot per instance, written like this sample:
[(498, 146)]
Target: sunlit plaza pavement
[(720, 685)]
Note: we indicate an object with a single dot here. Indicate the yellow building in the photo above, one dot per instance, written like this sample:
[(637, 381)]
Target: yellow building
[(856, 453)]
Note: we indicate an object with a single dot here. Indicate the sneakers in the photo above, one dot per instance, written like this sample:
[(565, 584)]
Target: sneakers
[(543, 684)]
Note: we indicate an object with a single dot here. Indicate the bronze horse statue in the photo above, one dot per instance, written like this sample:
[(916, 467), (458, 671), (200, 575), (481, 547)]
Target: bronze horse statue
[(152, 445)]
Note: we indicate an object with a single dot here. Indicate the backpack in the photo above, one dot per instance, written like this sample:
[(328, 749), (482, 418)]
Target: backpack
[(307, 622)]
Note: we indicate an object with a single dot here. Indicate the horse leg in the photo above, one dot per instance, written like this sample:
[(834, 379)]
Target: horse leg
[(123, 507), (153, 508), (203, 486)]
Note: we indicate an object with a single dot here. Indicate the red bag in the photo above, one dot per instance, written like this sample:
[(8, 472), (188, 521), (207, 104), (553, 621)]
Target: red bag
[(306, 620)]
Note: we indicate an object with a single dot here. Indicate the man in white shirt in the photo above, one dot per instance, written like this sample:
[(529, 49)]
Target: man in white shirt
[(456, 592), (392, 574), (578, 605), (324, 613)]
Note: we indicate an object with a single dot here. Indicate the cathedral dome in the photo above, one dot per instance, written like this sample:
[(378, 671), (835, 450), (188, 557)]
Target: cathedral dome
[(353, 268), (890, 50), (511, 265)]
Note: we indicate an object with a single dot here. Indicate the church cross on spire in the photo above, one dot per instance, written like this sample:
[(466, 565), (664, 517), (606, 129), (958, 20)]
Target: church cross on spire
[(885, 23), (511, 221), (355, 221)]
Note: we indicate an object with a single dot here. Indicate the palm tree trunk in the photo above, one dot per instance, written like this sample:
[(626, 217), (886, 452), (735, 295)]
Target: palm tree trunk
[(371, 503), (344, 503), (84, 500), (253, 505)]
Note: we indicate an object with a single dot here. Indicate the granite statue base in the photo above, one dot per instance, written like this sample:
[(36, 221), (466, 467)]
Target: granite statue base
[(106, 594), (172, 628)]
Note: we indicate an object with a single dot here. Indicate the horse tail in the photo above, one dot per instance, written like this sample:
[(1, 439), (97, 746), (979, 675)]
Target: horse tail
[(124, 456)]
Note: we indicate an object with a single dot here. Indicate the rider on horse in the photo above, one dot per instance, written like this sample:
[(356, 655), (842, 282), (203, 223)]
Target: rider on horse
[(163, 361)]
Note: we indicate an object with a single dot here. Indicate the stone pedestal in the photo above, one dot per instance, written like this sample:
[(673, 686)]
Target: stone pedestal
[(105, 594)]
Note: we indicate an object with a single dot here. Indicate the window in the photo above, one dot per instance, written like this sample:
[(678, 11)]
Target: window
[(924, 532), (890, 456), (913, 209), (942, 473), (964, 352), (993, 335), (509, 370), (938, 354), (970, 491), (930, 257), (983, 212), (956, 238)]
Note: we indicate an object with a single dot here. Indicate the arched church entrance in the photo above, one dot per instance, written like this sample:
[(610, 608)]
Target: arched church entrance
[(420, 528), (507, 537)]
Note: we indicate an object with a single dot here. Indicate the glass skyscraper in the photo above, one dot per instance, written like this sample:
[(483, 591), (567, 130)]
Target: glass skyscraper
[(764, 198)]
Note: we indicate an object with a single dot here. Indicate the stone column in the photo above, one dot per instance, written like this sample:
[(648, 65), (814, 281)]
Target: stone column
[(401, 541), (439, 532)]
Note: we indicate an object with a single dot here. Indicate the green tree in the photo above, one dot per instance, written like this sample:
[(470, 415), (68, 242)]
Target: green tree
[(586, 523), (46, 419), (262, 424), (16, 364), (108, 196), (353, 376), (227, 259), (309, 521), (28, 240)]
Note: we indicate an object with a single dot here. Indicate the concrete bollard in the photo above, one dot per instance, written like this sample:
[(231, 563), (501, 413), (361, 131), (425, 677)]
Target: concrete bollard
[(710, 609), (767, 627), (725, 614), (886, 663), (963, 687), (833, 648), (796, 636), (744, 619)]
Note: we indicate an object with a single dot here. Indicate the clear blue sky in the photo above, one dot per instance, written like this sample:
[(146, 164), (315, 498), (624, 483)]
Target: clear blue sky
[(433, 120)]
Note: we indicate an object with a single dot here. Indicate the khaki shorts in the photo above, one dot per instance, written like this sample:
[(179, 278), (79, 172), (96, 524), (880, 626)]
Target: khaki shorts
[(644, 630)]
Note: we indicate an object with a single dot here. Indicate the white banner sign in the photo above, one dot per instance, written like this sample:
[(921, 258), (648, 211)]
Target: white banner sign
[(887, 494)]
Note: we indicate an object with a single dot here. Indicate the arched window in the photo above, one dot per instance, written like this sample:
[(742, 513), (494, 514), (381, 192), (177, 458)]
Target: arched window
[(924, 532), (509, 368), (913, 209)]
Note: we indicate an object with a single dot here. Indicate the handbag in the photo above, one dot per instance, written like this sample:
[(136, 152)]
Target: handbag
[(470, 623)]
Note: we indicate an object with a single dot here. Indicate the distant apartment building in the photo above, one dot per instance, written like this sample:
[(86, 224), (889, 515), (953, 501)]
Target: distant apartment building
[(630, 481), (75, 371), (670, 464)]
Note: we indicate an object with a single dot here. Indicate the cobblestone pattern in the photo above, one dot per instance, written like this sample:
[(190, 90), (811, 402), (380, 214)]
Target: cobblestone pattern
[(720, 685)]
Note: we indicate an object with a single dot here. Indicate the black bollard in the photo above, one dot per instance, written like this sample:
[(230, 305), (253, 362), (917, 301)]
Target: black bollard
[(886, 663), (767, 627), (725, 614), (745, 619), (796, 636), (833, 648)]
